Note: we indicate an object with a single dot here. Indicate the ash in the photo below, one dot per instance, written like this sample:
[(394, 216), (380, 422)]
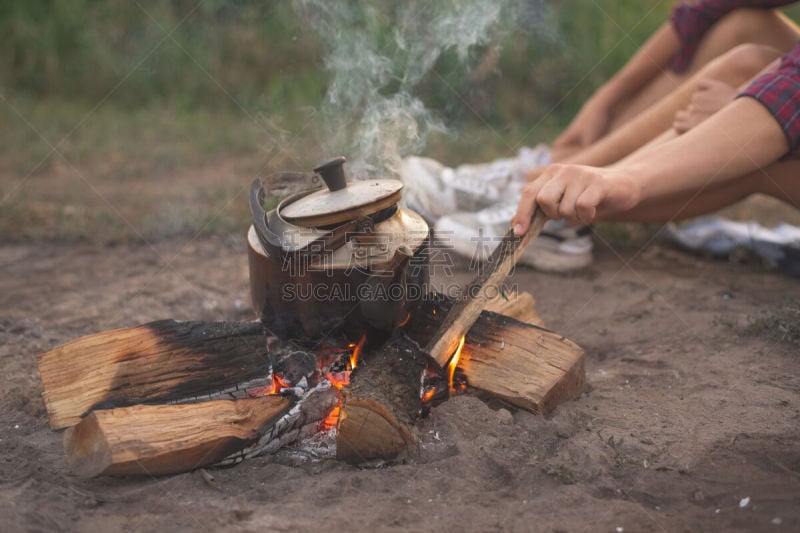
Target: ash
[(318, 446)]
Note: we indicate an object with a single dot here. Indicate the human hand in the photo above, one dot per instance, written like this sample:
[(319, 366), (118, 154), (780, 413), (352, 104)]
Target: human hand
[(589, 124), (576, 193), (709, 97)]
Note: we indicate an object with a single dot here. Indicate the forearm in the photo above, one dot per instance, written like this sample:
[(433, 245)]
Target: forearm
[(739, 139), (651, 59)]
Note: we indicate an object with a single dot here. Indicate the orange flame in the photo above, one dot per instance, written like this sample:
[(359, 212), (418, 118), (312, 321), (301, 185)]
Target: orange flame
[(451, 366), (428, 394), (338, 379), (356, 352), (331, 420), (278, 384)]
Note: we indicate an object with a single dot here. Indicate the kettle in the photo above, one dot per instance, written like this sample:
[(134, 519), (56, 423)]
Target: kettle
[(343, 256)]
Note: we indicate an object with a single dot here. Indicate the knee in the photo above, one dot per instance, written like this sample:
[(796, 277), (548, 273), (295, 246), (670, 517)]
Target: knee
[(747, 24), (747, 60)]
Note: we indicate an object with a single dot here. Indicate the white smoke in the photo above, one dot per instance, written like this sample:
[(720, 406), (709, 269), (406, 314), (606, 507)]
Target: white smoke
[(376, 54)]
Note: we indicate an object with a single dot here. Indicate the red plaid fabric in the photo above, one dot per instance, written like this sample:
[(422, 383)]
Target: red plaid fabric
[(779, 92), (692, 20)]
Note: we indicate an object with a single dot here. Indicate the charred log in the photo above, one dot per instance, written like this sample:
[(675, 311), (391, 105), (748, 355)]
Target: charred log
[(157, 362), (381, 403)]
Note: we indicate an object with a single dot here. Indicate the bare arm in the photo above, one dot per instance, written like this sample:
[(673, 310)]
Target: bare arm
[(740, 138), (651, 59)]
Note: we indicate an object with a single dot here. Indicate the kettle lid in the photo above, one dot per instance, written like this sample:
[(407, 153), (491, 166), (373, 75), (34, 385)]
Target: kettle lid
[(341, 201)]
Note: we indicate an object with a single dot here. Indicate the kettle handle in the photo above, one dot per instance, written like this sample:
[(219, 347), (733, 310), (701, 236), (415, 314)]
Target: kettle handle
[(265, 235)]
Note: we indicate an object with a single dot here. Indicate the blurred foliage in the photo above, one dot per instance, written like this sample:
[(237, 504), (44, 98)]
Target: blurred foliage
[(100, 100), (259, 56)]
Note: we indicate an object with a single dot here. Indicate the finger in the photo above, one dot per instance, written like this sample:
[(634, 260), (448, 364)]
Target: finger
[(521, 220), (681, 121), (587, 204), (567, 207), (550, 194), (534, 173)]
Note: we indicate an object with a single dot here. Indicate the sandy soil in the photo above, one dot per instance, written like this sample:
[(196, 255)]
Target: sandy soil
[(684, 422)]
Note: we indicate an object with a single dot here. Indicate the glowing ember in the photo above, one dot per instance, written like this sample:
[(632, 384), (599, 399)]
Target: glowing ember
[(278, 384), (331, 420), (428, 394), (356, 352), (451, 366), (338, 379), (404, 321)]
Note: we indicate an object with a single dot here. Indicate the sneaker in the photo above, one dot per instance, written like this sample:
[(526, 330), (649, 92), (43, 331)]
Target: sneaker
[(434, 190), (559, 248)]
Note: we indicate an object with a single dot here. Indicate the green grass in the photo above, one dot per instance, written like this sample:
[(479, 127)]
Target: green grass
[(781, 323), (158, 137)]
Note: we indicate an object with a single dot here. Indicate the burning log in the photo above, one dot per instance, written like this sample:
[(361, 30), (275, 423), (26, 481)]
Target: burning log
[(165, 439), (520, 362), (520, 306), (528, 366), (195, 364), (157, 362), (381, 403)]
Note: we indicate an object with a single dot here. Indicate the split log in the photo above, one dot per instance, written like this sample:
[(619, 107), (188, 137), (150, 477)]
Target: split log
[(520, 306), (381, 403), (528, 366), (166, 439), (157, 362), (522, 363)]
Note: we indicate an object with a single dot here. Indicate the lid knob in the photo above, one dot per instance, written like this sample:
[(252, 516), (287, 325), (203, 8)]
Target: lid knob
[(332, 173)]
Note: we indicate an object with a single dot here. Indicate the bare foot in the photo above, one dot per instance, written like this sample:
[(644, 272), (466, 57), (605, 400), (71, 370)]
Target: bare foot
[(709, 97)]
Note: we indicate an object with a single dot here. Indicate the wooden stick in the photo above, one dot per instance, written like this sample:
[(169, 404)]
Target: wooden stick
[(165, 439), (484, 287)]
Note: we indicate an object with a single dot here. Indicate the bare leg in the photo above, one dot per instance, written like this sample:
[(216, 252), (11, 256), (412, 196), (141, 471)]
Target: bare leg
[(779, 180), (733, 68), (758, 26)]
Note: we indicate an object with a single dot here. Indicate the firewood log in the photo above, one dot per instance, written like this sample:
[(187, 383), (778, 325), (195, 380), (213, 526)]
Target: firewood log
[(165, 439), (381, 403), (530, 367), (520, 306), (524, 364), (157, 362)]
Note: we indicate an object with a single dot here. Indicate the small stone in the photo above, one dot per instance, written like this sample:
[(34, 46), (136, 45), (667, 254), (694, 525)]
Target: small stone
[(504, 416), (620, 529), (744, 502), (777, 521)]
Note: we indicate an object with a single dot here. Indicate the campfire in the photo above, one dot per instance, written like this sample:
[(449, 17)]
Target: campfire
[(174, 396)]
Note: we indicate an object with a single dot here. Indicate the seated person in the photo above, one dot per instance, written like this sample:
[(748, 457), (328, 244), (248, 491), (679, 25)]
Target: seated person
[(687, 70), (751, 145)]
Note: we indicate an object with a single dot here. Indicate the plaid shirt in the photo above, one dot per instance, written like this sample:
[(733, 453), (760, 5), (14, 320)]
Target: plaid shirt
[(779, 92), (692, 20)]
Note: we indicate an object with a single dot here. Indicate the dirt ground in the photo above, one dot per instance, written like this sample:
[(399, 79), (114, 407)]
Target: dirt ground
[(687, 424)]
